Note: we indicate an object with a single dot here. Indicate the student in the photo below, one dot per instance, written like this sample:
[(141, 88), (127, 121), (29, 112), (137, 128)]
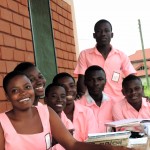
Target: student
[(82, 117), (27, 127), (37, 79), (115, 63), (55, 97), (95, 98), (134, 105)]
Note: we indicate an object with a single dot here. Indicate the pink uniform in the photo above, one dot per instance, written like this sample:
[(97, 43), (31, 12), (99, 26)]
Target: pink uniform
[(116, 65), (103, 113), (68, 124), (123, 110), (84, 122), (38, 141)]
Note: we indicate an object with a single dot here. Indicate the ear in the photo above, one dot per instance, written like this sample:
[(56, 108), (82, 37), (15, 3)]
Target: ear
[(112, 34), (94, 35)]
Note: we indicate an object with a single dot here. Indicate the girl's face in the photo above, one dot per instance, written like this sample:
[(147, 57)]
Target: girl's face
[(56, 98), (70, 87), (38, 81), (20, 92)]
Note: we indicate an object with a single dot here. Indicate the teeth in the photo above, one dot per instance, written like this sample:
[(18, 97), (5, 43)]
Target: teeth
[(41, 87), (69, 97), (59, 105), (25, 99)]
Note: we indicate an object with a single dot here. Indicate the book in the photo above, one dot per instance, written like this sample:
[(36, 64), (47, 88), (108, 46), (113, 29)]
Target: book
[(111, 138)]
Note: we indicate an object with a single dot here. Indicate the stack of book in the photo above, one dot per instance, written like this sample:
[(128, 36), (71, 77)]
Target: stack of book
[(110, 138)]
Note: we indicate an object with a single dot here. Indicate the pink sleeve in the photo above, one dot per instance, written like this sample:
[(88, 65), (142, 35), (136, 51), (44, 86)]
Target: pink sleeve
[(81, 64), (127, 67), (117, 112)]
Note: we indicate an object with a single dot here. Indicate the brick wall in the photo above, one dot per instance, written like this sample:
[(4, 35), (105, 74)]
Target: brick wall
[(16, 40), (63, 36)]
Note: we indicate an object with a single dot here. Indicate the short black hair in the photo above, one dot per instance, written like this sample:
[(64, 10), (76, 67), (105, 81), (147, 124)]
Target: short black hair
[(93, 68), (48, 88), (24, 66), (60, 76), (130, 78), (10, 76), (101, 22)]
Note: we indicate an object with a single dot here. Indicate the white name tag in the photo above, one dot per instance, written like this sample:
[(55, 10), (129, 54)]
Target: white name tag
[(116, 76), (48, 141)]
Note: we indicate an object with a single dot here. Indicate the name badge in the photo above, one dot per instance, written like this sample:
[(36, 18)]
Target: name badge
[(48, 141), (115, 76)]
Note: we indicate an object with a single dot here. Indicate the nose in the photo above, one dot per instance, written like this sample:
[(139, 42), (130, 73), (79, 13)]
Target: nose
[(22, 92), (59, 99)]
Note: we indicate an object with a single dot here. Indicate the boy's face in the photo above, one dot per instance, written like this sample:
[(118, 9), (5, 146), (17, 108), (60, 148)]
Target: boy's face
[(133, 91), (95, 82), (70, 87), (56, 98), (38, 81), (20, 92), (103, 34)]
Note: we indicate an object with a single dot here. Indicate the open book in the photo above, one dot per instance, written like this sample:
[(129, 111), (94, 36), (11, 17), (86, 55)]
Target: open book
[(132, 124)]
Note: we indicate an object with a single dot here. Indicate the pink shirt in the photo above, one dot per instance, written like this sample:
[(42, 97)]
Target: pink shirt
[(123, 110), (103, 113), (84, 122), (68, 124), (38, 141), (116, 65)]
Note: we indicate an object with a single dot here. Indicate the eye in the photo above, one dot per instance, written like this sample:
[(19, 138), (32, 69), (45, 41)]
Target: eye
[(28, 87), (41, 76), (14, 91), (63, 96), (32, 79)]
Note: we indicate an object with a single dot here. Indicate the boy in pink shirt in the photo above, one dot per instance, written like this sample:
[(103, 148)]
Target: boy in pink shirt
[(115, 63), (95, 98), (82, 117), (133, 105)]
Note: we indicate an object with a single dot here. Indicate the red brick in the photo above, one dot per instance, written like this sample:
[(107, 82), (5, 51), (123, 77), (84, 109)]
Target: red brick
[(70, 64), (68, 48), (29, 57), (60, 28), (61, 19), (67, 22), (66, 30), (7, 53), (3, 66), (59, 10), (4, 26), (29, 46), (1, 39), (6, 14), (52, 6), (57, 34), (24, 2), (59, 53), (57, 43), (55, 16), (19, 55), (26, 22), (69, 8), (63, 46), (61, 70), (12, 5), (10, 65), (69, 39), (9, 40), (20, 44), (59, 62), (65, 63), (55, 24), (23, 10), (71, 56), (63, 37), (15, 30), (3, 3), (69, 16), (1, 79), (18, 19), (65, 14), (26, 34), (66, 55)]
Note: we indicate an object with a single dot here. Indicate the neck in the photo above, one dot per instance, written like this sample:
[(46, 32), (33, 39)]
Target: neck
[(35, 103), (97, 98), (136, 106), (104, 49)]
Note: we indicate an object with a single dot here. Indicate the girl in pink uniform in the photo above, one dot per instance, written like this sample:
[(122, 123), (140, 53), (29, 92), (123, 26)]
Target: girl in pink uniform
[(27, 127)]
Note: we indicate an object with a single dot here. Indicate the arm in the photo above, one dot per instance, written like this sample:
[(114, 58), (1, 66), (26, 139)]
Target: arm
[(2, 139), (81, 88), (62, 135)]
